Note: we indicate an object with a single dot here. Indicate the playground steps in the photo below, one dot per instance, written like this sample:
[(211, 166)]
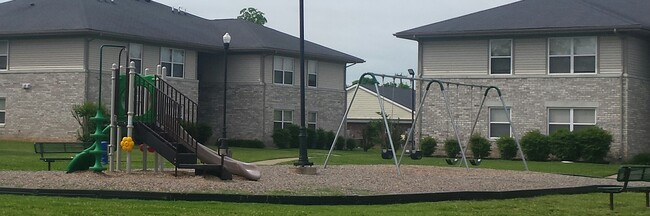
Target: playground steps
[(170, 150)]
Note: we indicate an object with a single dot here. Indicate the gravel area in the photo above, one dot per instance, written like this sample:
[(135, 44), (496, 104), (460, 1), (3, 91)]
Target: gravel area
[(280, 180)]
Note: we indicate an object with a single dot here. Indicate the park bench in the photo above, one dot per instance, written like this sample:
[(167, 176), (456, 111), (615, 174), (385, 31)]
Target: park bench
[(626, 174), (56, 151)]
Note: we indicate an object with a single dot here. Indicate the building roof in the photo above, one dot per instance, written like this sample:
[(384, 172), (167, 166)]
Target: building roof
[(149, 21), (398, 95), (542, 16)]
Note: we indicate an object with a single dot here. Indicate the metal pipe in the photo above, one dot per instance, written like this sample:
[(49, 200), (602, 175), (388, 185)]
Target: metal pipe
[(383, 115), (347, 111), (113, 123), (129, 125), (453, 123)]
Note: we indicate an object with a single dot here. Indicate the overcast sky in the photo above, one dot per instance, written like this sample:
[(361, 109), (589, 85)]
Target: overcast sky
[(362, 28)]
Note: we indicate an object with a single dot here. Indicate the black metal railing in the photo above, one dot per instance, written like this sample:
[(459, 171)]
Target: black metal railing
[(157, 102)]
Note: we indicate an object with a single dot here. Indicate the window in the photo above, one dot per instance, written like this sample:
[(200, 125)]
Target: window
[(312, 117), (312, 71), (283, 70), (135, 55), (572, 55), (4, 55), (570, 119), (499, 124), (2, 111), (282, 118), (501, 56), (174, 61)]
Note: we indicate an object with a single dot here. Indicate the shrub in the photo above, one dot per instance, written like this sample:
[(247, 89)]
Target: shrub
[(294, 130), (281, 138), (452, 148), (201, 132), (595, 143), (371, 135), (246, 143), (507, 147), (82, 113), (351, 145), (428, 146), (564, 146), (311, 138), (329, 139), (535, 146), (321, 139), (641, 159), (480, 146)]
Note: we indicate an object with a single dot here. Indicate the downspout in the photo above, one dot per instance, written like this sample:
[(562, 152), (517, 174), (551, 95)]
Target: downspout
[(624, 60), (87, 67)]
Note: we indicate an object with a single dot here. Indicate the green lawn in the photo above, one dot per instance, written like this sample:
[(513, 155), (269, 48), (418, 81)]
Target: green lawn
[(16, 155), (586, 204)]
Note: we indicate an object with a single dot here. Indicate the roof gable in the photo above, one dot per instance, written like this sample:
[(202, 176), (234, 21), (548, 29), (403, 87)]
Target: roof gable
[(395, 95), (535, 16), (149, 21)]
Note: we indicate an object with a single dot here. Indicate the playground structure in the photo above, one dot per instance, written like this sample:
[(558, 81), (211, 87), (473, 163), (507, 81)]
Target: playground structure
[(155, 115), (452, 120)]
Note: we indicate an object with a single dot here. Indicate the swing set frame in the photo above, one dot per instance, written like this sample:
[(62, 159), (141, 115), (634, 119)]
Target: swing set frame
[(430, 82)]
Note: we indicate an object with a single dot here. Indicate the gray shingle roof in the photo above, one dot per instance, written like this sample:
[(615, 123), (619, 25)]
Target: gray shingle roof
[(398, 95), (140, 20), (542, 16)]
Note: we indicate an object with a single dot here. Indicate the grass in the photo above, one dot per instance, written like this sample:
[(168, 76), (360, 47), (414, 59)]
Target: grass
[(16, 155), (585, 204)]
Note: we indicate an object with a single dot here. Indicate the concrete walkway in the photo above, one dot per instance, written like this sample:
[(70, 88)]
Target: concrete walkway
[(274, 161)]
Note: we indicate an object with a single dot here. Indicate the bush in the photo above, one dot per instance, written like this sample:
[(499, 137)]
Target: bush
[(329, 139), (564, 146), (641, 159), (371, 135), (507, 147), (281, 138), (535, 146), (452, 148), (480, 146), (201, 132), (82, 113), (246, 143), (595, 143), (294, 130), (351, 145), (428, 146), (311, 138), (340, 143), (321, 139)]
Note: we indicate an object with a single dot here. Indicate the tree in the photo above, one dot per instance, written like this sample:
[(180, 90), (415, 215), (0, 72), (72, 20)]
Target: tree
[(252, 15), (397, 85), (365, 80)]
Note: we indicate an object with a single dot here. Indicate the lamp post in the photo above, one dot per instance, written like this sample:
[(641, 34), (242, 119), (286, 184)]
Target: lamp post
[(223, 147), (412, 140), (303, 160)]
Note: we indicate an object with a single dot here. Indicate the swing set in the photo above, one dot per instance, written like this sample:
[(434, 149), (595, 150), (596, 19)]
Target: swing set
[(390, 153)]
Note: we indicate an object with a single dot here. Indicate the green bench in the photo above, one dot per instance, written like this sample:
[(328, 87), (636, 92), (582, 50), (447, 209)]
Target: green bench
[(56, 151), (626, 174)]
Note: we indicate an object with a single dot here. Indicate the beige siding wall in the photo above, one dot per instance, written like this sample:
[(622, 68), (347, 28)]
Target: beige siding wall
[(638, 57), (244, 68), (530, 56), (330, 75), (466, 57), (150, 57), (110, 54), (46, 54), (366, 106), (610, 52)]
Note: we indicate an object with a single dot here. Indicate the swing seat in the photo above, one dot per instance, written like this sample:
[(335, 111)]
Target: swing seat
[(387, 154), (451, 161), (475, 162), (416, 155)]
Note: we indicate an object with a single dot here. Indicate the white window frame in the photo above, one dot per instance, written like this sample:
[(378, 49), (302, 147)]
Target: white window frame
[(4, 110), (500, 57), (6, 54), (170, 70), (315, 122), (310, 72), (490, 122), (284, 71), (571, 56), (131, 58), (571, 118), (283, 121)]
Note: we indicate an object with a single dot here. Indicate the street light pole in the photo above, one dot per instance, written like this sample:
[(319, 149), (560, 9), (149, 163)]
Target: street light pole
[(303, 160), (412, 73), (223, 148)]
